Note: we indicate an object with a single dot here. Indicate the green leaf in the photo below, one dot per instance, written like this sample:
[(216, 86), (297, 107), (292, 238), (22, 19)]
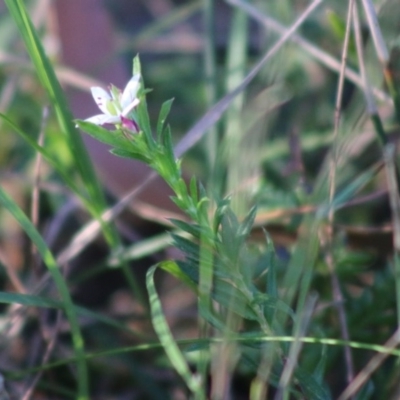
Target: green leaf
[(232, 298), (44, 302), (140, 249), (168, 147), (112, 138), (189, 248), (136, 67), (220, 210), (348, 190), (190, 268), (247, 224), (230, 242), (311, 389), (169, 344), (337, 24), (193, 229), (269, 260), (193, 189), (141, 110), (202, 191), (272, 303), (351, 188), (134, 148), (182, 204), (130, 154), (173, 268), (181, 185), (320, 369), (213, 318), (29, 300), (164, 112)]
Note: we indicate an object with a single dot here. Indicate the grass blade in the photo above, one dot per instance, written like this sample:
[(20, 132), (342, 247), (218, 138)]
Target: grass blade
[(48, 78), (169, 344), (48, 259)]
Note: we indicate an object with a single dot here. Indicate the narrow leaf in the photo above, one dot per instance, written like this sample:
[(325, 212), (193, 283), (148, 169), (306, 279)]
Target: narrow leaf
[(193, 229), (169, 344), (246, 226), (55, 271), (174, 269), (49, 81), (101, 134), (129, 154), (165, 109)]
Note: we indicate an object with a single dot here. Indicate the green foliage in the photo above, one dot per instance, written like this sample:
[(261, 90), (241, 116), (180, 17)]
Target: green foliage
[(48, 259), (286, 178), (49, 81)]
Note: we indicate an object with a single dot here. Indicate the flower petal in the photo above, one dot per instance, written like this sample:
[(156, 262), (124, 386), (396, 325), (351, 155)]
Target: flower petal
[(102, 119), (102, 98), (130, 91), (130, 107)]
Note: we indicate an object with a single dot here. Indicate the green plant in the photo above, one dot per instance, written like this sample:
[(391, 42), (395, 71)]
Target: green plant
[(291, 318)]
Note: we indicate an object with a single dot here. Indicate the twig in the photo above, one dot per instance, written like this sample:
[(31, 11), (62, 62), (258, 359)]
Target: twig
[(365, 374), (337, 293), (320, 55)]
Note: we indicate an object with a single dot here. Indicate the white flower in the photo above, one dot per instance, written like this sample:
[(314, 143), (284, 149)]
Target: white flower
[(116, 106)]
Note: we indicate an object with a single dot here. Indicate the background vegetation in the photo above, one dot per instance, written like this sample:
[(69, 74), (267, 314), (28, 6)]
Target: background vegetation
[(284, 283)]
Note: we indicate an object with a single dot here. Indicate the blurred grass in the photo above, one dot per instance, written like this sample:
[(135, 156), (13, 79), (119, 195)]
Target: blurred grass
[(48, 259), (56, 95), (273, 150)]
